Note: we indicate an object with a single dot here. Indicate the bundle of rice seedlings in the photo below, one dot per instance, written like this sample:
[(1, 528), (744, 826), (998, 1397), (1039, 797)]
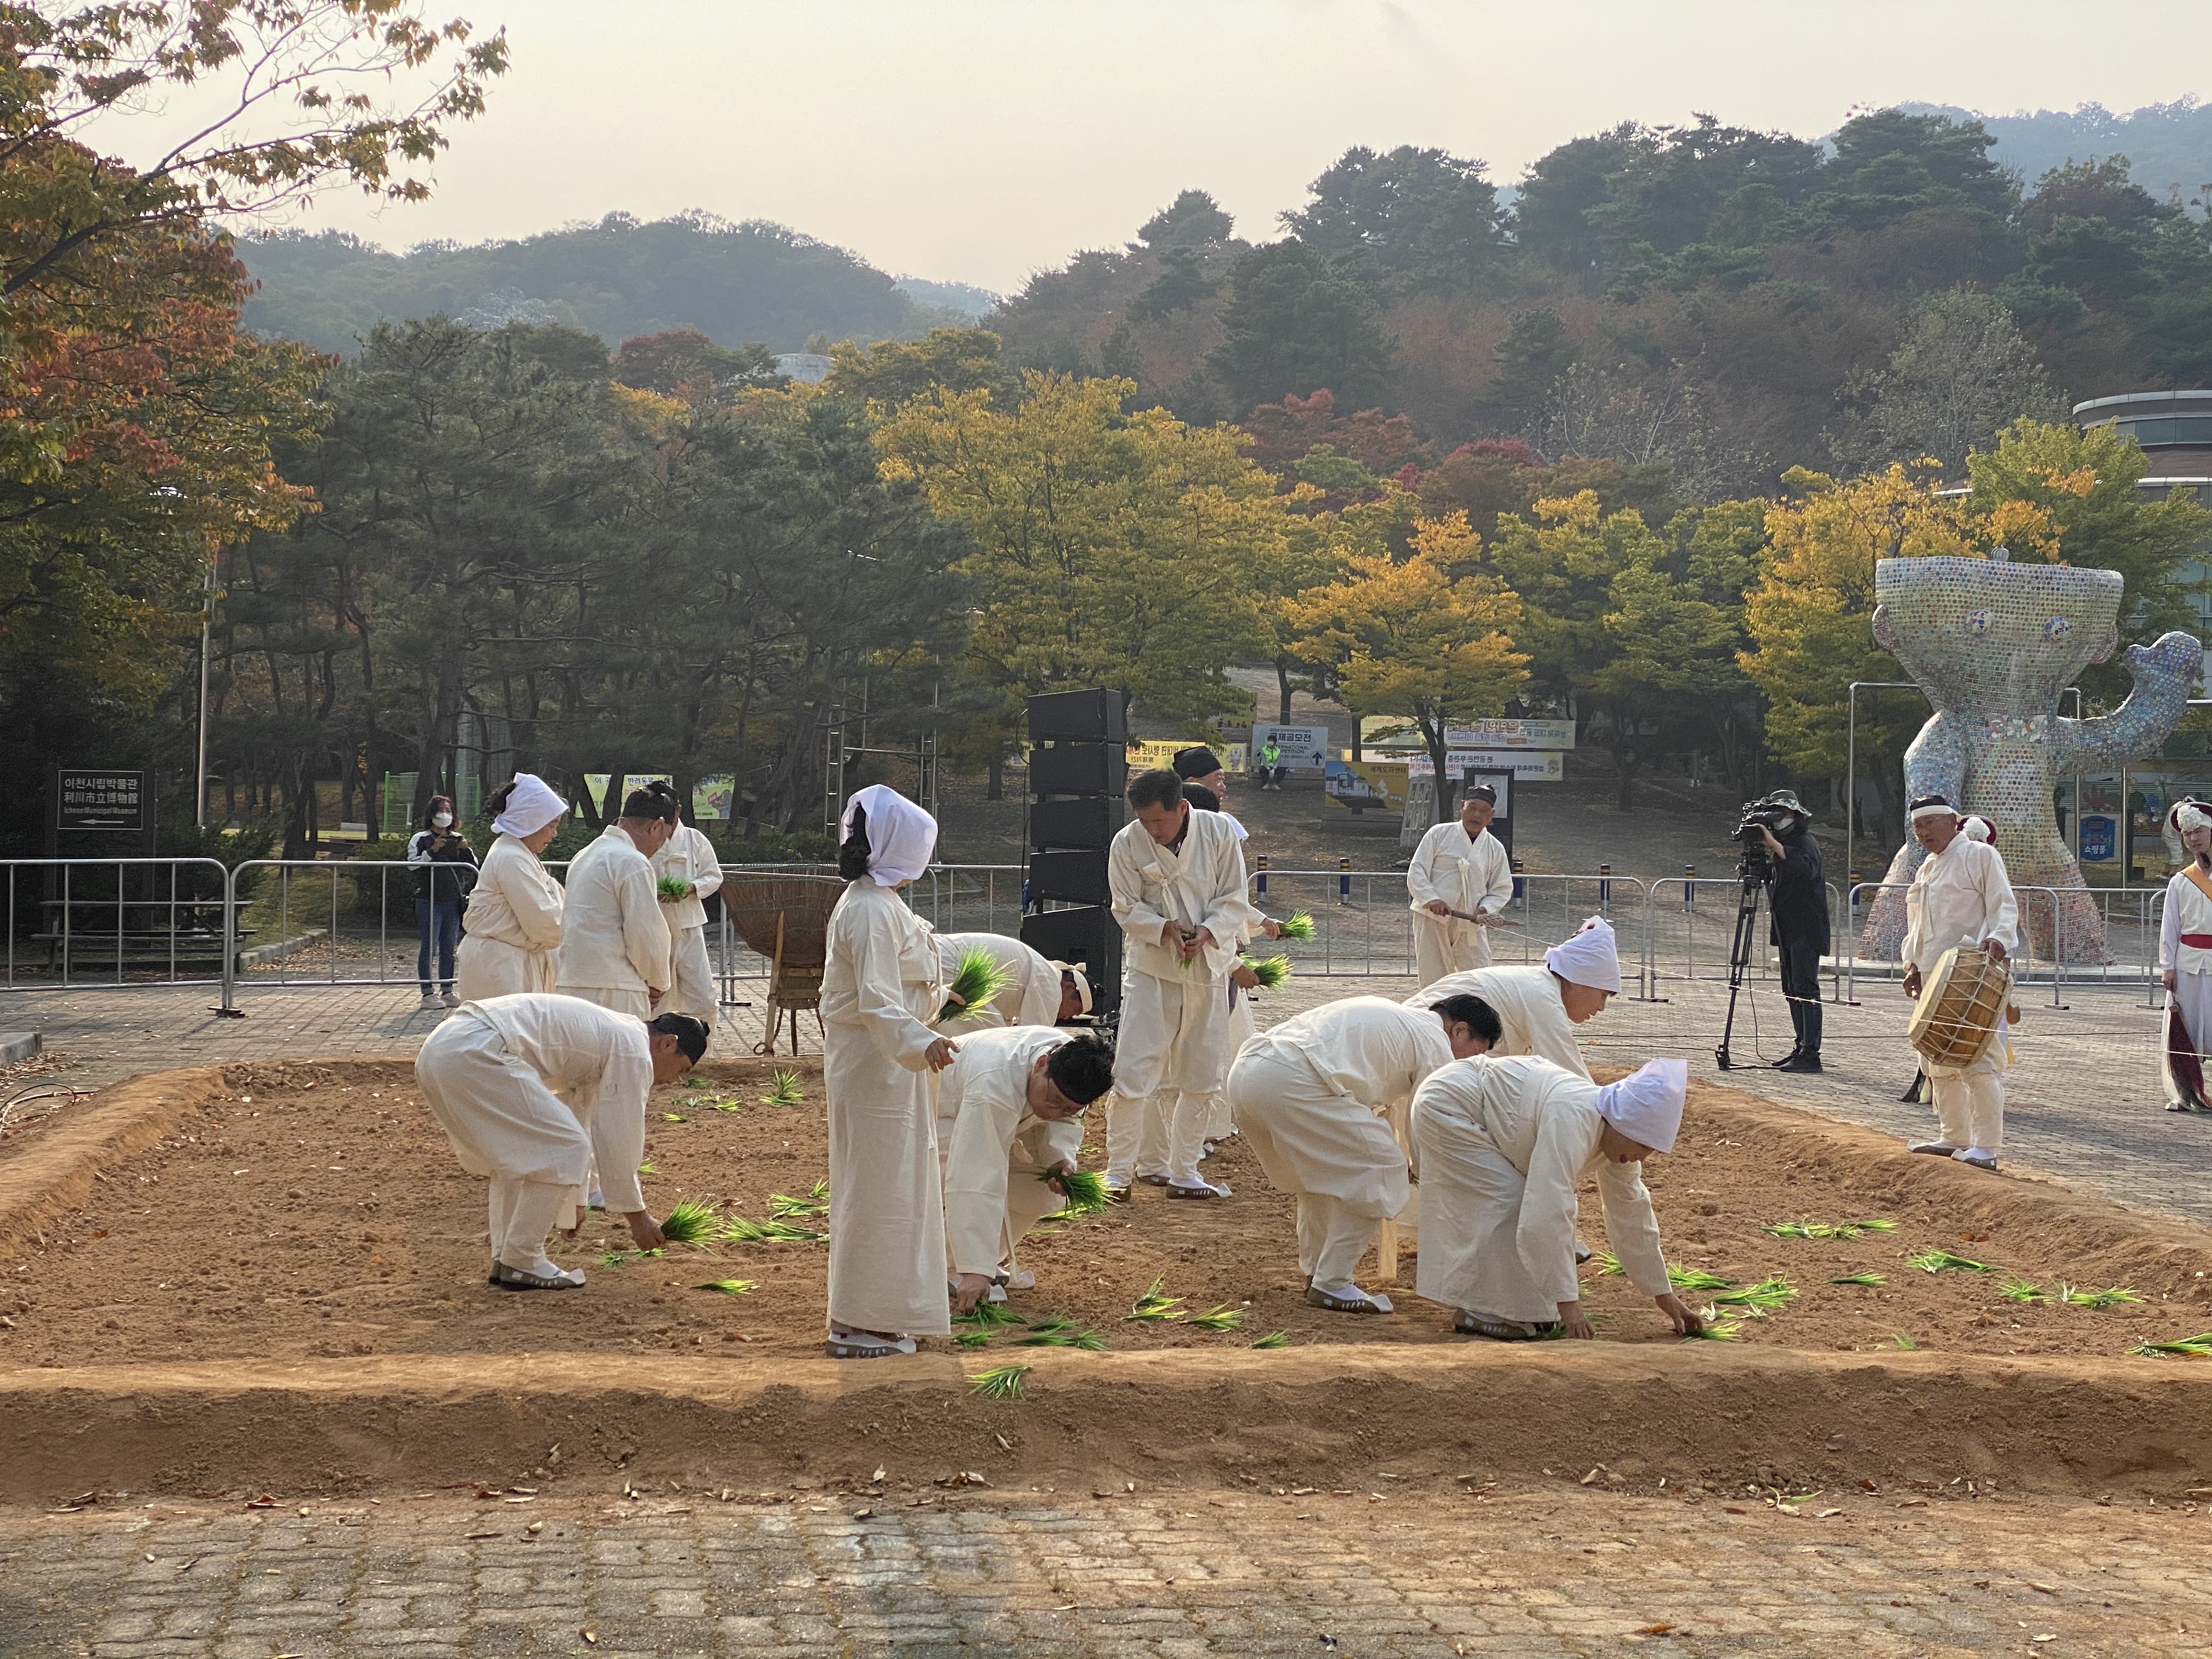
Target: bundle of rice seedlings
[(785, 1092), (692, 1221), (674, 1117), (971, 1338), (1712, 1327), (1153, 1305), (1798, 1230), (1829, 1229), (2020, 1291), (1299, 926), (1693, 1279), (648, 1168), (1219, 1317), (2111, 1298), (1768, 1294), (1605, 1262), (729, 1287), (694, 1083), (1936, 1261), (1902, 1341), (1000, 1382), (723, 1105), (784, 1207), (670, 890), (2187, 1347), (1869, 1226), (990, 1315), (976, 982), (1274, 1340), (738, 1230), (1061, 1337), (1086, 1191), (615, 1258), (1271, 970), (1860, 1278)]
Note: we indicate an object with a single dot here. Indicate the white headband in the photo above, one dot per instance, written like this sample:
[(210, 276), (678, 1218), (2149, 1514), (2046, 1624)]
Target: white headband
[(1937, 811), (2190, 816)]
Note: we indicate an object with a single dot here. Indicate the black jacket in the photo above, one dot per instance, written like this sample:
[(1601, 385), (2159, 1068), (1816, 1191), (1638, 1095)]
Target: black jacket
[(434, 861), (1798, 896)]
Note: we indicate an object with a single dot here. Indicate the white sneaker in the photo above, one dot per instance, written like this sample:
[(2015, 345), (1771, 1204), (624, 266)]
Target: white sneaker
[(450, 1000), (1021, 1279), (428, 1002), (1980, 1157)]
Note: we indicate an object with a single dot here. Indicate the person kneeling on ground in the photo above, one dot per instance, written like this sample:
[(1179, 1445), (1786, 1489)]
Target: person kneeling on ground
[(1015, 1107), (529, 1088), (1504, 1144), (1314, 1096)]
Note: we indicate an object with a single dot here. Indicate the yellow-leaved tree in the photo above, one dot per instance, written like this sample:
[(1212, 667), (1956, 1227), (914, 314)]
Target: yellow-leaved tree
[(1427, 636)]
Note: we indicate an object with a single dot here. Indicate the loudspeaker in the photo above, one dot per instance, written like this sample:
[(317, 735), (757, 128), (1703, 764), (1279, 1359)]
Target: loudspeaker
[(1077, 717), (1071, 877), (1078, 823), (1088, 935), (1079, 768)]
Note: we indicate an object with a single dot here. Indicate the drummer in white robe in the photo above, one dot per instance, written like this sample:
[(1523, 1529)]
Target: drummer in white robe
[(511, 932), (881, 986), (689, 857), (1315, 1097), (1177, 880), (1960, 897), (615, 945), (1039, 991), (1010, 1113), (1504, 1142), (530, 1087), (1540, 1007), (2184, 962), (1459, 866)]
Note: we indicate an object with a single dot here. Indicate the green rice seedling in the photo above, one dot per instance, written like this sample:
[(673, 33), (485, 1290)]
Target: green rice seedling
[(2020, 1291), (1219, 1317), (1693, 1278), (1154, 1305), (1902, 1341), (648, 1168), (1086, 1191), (674, 1117), (1605, 1262), (1271, 970), (976, 982), (1051, 1322), (695, 1083), (1061, 1337), (738, 1230), (670, 890), (971, 1338), (1829, 1229), (1712, 1327), (785, 1092), (2111, 1298), (1298, 925), (722, 1105), (691, 1222), (1770, 1293), (1000, 1382), (1936, 1261), (729, 1287), (1863, 1279), (1273, 1340), (784, 1207), (2187, 1347), (615, 1258), (1869, 1226), (990, 1315)]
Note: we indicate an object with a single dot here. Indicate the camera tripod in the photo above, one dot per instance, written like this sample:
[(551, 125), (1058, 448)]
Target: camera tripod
[(1752, 874)]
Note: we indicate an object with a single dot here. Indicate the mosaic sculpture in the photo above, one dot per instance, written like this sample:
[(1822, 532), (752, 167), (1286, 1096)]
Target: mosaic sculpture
[(1993, 644)]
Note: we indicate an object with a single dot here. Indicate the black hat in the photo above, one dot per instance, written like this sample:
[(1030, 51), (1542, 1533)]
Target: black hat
[(1481, 792), (1199, 762), (1202, 798)]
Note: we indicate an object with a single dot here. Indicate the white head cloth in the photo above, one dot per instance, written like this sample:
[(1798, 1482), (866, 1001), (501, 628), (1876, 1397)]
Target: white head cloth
[(1587, 956), (2190, 816), (900, 836), (1646, 1105), (1935, 808), (1977, 828), (530, 808)]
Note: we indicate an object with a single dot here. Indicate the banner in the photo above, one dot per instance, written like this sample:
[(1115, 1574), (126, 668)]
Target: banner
[(595, 784), (1147, 754), (1305, 748), (711, 797), (1399, 731), (1366, 786), (1527, 766)]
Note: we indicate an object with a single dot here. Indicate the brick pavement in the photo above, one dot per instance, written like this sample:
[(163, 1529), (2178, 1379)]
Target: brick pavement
[(1424, 1572)]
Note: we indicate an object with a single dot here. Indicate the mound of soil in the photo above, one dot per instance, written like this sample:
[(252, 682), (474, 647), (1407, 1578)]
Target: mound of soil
[(314, 1211)]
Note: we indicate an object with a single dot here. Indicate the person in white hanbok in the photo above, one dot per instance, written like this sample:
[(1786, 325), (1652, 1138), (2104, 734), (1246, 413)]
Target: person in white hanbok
[(689, 857), (1009, 1119), (882, 986), (1205, 785), (1178, 881), (615, 945), (1540, 1007), (1460, 867), (1038, 991), (1504, 1142), (530, 1087), (1960, 897), (1318, 1096), (2184, 962), (511, 932)]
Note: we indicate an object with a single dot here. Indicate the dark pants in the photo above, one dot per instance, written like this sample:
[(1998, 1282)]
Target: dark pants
[(439, 924), (1801, 983)]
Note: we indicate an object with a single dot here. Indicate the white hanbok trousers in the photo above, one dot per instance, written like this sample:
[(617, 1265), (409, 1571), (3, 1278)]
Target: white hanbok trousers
[(1445, 945), (505, 1123), (1170, 1061), (485, 968), (1970, 1102), (695, 992), (1336, 1156)]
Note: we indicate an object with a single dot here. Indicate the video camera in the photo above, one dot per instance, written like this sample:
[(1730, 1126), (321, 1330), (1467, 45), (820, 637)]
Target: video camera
[(1756, 815)]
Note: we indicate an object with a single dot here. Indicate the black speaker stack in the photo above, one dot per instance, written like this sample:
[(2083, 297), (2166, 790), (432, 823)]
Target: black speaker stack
[(1079, 767)]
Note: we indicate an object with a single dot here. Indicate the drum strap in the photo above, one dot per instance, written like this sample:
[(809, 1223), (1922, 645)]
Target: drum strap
[(2199, 878)]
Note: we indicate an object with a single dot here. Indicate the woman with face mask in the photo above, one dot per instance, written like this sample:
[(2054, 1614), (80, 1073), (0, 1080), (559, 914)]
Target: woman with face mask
[(442, 889)]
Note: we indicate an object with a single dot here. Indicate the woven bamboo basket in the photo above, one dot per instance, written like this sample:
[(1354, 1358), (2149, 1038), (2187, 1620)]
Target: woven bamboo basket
[(786, 920)]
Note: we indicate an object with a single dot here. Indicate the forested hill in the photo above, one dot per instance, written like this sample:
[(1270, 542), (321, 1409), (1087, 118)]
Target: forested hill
[(2168, 146), (736, 283)]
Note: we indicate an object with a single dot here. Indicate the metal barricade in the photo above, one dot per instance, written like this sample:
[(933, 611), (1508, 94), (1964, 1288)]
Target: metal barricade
[(115, 923), (2131, 918)]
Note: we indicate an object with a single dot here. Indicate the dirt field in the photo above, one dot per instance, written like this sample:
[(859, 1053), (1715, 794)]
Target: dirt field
[(315, 1211)]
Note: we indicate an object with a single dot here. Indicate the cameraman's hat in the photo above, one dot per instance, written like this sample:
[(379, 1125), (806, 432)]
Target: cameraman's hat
[(1787, 799)]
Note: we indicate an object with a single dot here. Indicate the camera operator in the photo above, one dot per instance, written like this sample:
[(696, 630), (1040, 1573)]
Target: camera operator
[(1798, 902)]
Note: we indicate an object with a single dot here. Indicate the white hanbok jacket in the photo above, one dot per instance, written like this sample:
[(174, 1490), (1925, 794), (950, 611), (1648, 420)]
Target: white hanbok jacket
[(983, 1108), (1474, 875), (1032, 994), (1527, 1003), (1961, 895), (613, 935), (511, 932), (1202, 886), (598, 1062), (689, 856)]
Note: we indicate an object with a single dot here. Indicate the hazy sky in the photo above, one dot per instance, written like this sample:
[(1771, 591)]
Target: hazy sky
[(977, 140)]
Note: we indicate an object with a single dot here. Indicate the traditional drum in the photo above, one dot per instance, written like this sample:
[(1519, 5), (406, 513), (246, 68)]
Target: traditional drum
[(1960, 1005)]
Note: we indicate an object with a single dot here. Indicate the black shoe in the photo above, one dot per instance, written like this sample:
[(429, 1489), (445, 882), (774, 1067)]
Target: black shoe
[(1783, 1064), (1917, 1095), (1800, 1063)]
